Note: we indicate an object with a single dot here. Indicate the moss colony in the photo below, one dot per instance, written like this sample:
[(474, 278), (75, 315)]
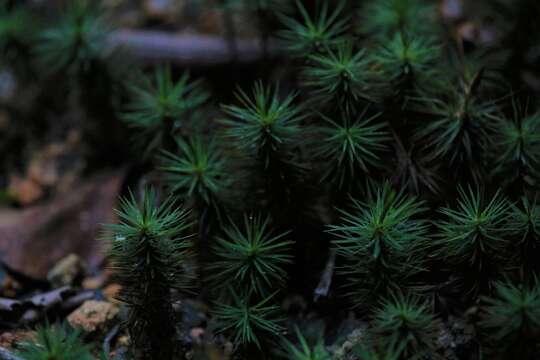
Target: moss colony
[(382, 174)]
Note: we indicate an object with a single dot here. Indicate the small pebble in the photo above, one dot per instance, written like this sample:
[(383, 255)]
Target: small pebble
[(94, 316), (67, 271)]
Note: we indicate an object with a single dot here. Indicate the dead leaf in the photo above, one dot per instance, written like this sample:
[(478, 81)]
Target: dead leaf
[(32, 240)]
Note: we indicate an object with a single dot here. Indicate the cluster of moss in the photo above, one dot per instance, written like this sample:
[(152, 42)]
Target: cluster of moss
[(390, 146)]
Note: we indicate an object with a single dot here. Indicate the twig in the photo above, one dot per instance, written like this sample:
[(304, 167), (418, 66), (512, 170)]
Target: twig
[(31, 309), (6, 355), (109, 338), (192, 50), (51, 298), (23, 279), (77, 300), (9, 304), (230, 31), (326, 278)]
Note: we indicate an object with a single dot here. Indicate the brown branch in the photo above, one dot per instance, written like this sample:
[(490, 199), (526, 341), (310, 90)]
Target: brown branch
[(192, 50)]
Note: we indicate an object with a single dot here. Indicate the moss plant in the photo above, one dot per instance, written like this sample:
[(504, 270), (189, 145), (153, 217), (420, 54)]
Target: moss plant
[(73, 55), (250, 258), (266, 129), (264, 10), (381, 240), (379, 352), (415, 172), (258, 5), (148, 251), (198, 173), (77, 42), (160, 108), (407, 62), (17, 29), (250, 324), (407, 321), (313, 35), (264, 125), (12, 21), (348, 148), (524, 222), (305, 351), (342, 78), (58, 342), (377, 105), (517, 150), (511, 321), (384, 18), (473, 237), (460, 128), (383, 353)]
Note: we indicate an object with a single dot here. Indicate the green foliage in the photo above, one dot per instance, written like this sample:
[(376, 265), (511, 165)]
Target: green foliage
[(58, 342), (407, 61), (524, 221), (380, 352), (149, 252), (251, 258), (342, 77), (461, 127), (159, 107), (398, 84), (248, 323), (517, 148), (259, 5), (314, 35), (350, 148), (414, 172), (473, 235), (511, 320), (197, 172), (77, 42), (407, 321), (305, 351), (264, 126), (381, 238), (16, 32), (12, 21), (384, 18)]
